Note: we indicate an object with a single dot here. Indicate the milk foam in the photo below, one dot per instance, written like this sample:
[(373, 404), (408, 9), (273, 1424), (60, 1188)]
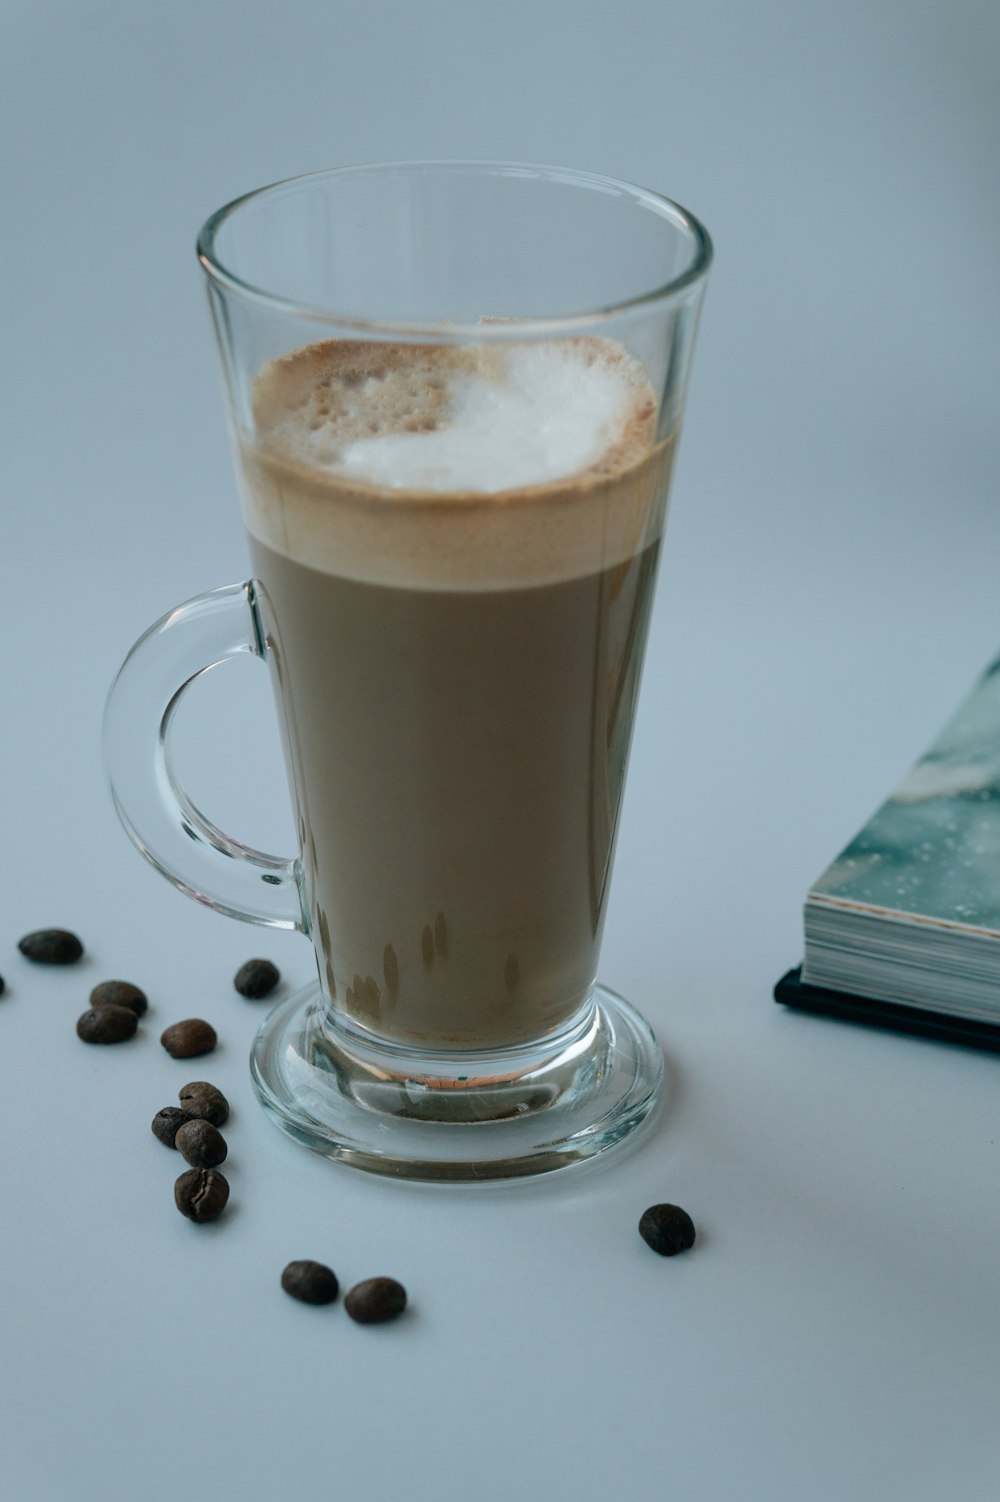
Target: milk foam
[(538, 413), (455, 466)]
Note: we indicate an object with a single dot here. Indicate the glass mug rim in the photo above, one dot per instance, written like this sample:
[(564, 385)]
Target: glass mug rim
[(643, 303)]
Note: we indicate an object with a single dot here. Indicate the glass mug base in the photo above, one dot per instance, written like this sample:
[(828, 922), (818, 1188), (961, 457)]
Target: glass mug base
[(503, 1115)]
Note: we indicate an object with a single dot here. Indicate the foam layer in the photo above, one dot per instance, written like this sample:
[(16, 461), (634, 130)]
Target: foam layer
[(448, 467), (484, 419)]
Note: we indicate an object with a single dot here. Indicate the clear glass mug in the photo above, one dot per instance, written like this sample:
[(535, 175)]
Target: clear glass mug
[(454, 392)]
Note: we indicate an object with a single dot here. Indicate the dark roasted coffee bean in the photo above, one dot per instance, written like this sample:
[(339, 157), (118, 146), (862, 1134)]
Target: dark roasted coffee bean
[(119, 993), (51, 946), (256, 978), (312, 1282), (166, 1122), (107, 1025), (201, 1194), (201, 1144), (1, 985), (204, 1101), (667, 1229), (187, 1039), (375, 1300)]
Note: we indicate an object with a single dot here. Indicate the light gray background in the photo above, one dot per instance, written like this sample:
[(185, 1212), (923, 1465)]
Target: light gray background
[(829, 591)]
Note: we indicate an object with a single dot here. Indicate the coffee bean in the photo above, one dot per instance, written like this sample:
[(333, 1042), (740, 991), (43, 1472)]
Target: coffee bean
[(375, 1300), (51, 946), (185, 1040), (201, 1194), (119, 993), (311, 1282), (200, 1144), (667, 1229), (2, 988), (166, 1123), (256, 978), (205, 1102), (107, 1025)]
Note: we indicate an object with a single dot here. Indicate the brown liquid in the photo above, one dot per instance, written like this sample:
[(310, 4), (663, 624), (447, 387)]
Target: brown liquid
[(457, 754)]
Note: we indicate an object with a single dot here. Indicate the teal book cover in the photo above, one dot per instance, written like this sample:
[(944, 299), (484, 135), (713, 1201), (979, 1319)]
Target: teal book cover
[(908, 914), (932, 851)]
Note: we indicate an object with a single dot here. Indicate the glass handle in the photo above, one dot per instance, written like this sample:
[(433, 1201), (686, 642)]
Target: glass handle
[(159, 817)]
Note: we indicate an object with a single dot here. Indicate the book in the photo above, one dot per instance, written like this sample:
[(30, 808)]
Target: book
[(903, 929)]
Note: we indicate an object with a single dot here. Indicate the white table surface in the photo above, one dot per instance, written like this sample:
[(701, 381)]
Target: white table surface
[(828, 593)]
